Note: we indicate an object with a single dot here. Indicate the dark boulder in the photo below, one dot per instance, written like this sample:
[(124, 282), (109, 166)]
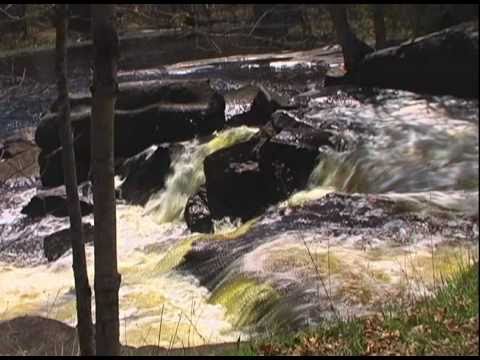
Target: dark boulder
[(54, 202), (445, 62), (58, 243), (235, 185), (144, 174), (246, 178), (283, 119), (288, 159), (138, 94), (197, 213), (135, 130), (18, 157), (148, 113), (252, 105), (51, 168)]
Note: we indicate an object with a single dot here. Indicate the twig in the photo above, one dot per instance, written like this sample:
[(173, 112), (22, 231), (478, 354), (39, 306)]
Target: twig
[(12, 17), (260, 19), (160, 330), (317, 270), (175, 335)]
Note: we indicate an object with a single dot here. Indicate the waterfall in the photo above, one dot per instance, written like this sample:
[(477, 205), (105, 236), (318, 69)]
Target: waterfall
[(187, 174)]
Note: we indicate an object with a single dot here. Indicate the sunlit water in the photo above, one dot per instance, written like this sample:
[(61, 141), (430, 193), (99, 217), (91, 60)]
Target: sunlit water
[(422, 151)]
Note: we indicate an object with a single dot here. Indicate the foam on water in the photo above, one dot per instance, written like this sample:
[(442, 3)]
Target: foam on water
[(187, 175)]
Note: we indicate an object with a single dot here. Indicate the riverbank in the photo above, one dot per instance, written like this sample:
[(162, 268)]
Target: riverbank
[(445, 324)]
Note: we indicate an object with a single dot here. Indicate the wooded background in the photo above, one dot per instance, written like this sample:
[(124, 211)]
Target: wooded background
[(302, 26)]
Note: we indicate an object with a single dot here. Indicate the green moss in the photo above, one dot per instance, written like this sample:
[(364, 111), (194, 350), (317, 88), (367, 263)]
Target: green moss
[(230, 137), (234, 234), (441, 263), (144, 300), (379, 275), (65, 312), (297, 258), (175, 255), (445, 324), (246, 300)]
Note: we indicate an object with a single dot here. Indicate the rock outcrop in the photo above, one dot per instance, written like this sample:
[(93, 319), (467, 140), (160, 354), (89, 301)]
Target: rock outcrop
[(149, 112), (197, 214), (54, 202), (58, 243), (444, 62)]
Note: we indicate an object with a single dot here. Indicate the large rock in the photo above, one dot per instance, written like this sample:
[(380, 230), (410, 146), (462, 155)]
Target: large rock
[(51, 168), (138, 94), (252, 105), (154, 112), (445, 62), (58, 243), (289, 157), (246, 178), (137, 129), (18, 156), (144, 174), (54, 202), (197, 213), (235, 185)]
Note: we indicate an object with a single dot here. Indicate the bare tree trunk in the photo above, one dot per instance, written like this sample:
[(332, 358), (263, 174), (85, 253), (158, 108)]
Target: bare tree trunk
[(353, 49), (82, 287), (104, 91), (379, 25)]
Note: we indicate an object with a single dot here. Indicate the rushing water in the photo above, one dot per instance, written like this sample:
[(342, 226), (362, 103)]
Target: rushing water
[(285, 267), (187, 176)]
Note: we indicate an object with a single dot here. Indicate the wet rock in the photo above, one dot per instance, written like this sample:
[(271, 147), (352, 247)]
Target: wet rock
[(180, 114), (58, 243), (252, 105), (20, 337), (244, 179), (51, 168), (197, 213), (137, 129), (138, 94), (282, 119), (445, 62), (235, 185), (54, 202), (144, 174), (367, 220), (289, 157), (18, 157)]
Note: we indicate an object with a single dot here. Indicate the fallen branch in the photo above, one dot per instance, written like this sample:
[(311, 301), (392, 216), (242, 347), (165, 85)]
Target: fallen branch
[(260, 19)]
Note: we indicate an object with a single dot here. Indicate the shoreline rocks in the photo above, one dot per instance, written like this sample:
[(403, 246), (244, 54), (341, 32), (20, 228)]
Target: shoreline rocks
[(54, 202)]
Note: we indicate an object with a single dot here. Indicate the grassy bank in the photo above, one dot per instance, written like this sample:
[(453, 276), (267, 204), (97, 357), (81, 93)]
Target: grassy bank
[(444, 324)]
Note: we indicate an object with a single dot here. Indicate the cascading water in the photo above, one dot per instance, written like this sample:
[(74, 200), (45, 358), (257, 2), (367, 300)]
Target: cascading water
[(188, 176), (417, 145), (286, 267)]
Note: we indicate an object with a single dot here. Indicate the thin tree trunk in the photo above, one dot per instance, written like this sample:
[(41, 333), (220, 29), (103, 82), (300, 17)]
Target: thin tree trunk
[(104, 90), (338, 14), (82, 287), (353, 49), (379, 25)]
